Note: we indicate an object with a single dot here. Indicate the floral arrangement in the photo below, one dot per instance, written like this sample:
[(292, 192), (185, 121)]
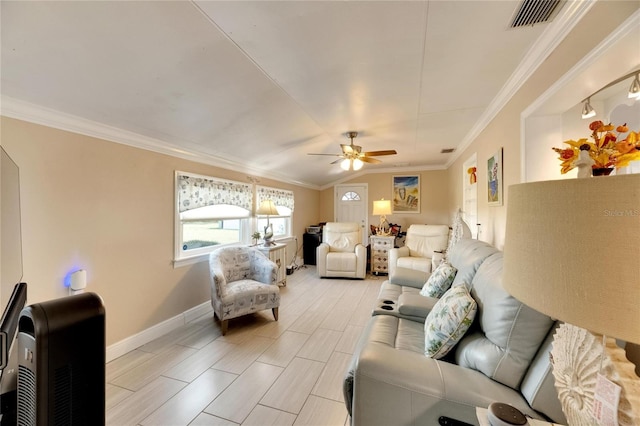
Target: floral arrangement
[(606, 148)]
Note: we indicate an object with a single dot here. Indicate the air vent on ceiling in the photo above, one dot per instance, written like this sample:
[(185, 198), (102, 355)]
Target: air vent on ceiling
[(532, 12), (447, 151)]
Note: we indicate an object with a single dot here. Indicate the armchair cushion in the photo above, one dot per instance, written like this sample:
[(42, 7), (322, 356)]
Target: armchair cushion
[(420, 244), (342, 237), (341, 253)]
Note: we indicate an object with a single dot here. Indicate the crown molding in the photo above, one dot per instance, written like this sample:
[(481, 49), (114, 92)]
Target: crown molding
[(553, 35), (25, 111)]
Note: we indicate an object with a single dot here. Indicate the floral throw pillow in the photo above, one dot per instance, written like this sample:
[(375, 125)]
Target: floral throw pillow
[(447, 322), (439, 281)]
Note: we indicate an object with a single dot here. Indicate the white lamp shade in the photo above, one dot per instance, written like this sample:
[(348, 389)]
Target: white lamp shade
[(357, 164), (382, 207), (572, 251), (267, 207), (345, 164)]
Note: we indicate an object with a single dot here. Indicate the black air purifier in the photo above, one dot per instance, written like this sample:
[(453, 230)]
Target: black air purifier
[(61, 362)]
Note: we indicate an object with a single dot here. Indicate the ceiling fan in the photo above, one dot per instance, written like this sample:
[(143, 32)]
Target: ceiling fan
[(352, 156)]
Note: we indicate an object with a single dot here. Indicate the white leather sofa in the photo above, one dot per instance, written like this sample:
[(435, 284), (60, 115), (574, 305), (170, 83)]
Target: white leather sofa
[(421, 242), (341, 253), (503, 357)]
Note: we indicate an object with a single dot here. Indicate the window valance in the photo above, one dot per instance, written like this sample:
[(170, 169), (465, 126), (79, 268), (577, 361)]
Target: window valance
[(196, 191), (280, 197)]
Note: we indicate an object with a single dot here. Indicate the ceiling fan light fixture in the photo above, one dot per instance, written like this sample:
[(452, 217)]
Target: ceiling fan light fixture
[(357, 164), (634, 90), (587, 109), (345, 164)]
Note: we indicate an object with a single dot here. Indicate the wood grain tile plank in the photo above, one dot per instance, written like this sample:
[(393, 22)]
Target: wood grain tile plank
[(293, 386), (266, 416), (284, 349), (320, 345), (193, 366), (349, 339), (240, 398), (126, 362), (329, 385), (205, 419), (241, 356), (143, 402), (144, 373), (320, 411), (191, 400), (114, 395)]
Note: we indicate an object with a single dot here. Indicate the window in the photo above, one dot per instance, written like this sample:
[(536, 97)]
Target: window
[(284, 203), (210, 212), (351, 196)]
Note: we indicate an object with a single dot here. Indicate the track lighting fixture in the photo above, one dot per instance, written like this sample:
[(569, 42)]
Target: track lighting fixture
[(587, 109), (634, 89), (634, 92)]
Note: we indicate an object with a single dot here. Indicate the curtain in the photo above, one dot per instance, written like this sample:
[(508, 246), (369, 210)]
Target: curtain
[(200, 191), (280, 197)]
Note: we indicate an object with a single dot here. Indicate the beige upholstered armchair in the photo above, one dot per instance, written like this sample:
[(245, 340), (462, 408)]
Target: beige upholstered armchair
[(242, 282), (421, 244), (341, 253)]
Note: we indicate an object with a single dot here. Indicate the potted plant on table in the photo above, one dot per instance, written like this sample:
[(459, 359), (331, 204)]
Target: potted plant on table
[(256, 237), (606, 149)]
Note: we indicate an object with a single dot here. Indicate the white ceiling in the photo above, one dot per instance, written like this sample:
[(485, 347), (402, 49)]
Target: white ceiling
[(255, 86)]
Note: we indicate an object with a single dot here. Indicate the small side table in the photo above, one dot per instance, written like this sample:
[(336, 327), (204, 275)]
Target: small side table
[(380, 247), (277, 253)]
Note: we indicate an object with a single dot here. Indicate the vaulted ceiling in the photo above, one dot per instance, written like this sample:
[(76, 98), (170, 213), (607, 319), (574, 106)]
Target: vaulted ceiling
[(256, 86)]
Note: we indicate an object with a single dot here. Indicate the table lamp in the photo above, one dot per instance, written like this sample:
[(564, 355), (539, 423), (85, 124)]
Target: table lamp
[(572, 252), (269, 209), (383, 208)]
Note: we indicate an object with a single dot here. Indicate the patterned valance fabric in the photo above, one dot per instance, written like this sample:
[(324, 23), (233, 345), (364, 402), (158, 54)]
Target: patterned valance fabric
[(280, 197), (199, 191)]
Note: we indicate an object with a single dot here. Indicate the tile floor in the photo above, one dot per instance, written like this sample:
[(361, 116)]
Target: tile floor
[(261, 373)]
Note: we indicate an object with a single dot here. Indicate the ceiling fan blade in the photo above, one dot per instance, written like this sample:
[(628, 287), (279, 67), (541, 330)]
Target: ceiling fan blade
[(337, 161), (370, 160), (330, 155), (378, 153)]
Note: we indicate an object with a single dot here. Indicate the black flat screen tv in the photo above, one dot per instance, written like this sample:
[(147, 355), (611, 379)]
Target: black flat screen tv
[(13, 293)]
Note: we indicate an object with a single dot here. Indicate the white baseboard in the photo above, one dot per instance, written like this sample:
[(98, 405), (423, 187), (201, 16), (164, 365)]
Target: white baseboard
[(133, 342)]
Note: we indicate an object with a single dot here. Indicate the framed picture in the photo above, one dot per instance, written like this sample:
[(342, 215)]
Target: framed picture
[(406, 194), (494, 179)]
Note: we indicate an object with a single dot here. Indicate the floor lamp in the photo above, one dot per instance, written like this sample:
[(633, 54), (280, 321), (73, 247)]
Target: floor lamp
[(572, 251), (269, 209)]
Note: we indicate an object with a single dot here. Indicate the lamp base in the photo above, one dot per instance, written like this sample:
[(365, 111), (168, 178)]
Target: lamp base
[(578, 357)]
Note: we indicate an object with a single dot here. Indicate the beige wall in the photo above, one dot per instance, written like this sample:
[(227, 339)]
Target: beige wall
[(434, 200), (504, 129), (108, 208)]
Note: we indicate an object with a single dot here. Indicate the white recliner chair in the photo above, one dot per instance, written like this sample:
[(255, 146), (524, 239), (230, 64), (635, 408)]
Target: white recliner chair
[(422, 243), (341, 253)]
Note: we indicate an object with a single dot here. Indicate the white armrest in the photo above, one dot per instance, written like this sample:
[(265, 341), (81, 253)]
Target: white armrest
[(415, 305), (394, 254), (321, 259)]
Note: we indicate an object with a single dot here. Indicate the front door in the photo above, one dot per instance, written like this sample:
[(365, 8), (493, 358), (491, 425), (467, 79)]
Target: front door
[(351, 206)]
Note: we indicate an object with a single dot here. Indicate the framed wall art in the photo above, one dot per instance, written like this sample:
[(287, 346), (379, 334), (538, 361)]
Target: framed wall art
[(406, 194), (494, 179)]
